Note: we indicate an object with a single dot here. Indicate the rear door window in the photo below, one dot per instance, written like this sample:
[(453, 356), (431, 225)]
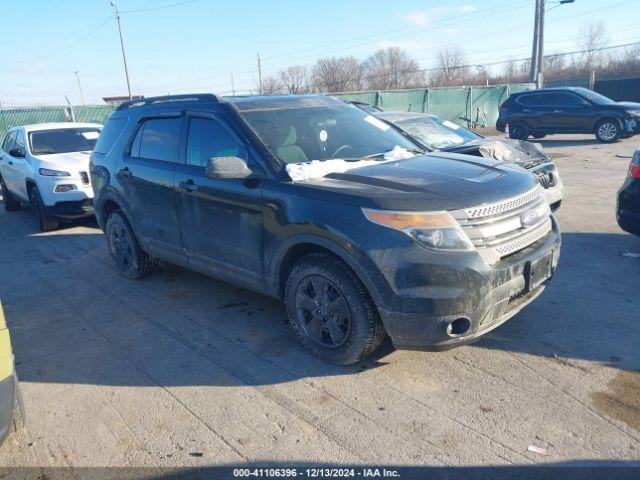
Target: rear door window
[(567, 100), (209, 138), (158, 139)]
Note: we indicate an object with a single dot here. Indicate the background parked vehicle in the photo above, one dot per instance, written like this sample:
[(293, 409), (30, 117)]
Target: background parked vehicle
[(436, 133), (567, 110), (11, 406), (47, 166), (628, 211), (358, 249)]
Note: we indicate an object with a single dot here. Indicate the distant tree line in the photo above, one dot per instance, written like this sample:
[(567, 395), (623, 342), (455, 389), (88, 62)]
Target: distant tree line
[(394, 68)]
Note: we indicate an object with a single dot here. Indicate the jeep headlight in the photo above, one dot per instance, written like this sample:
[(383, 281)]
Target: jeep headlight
[(53, 173), (634, 113), (434, 230)]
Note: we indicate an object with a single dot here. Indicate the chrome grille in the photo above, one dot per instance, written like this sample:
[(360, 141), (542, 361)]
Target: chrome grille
[(502, 228), (503, 206), (546, 175)]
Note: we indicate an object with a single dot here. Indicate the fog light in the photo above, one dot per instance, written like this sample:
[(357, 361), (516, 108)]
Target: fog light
[(458, 327), (65, 188)]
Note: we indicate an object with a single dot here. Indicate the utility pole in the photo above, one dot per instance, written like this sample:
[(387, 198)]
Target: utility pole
[(124, 57), (541, 46), (259, 75), (233, 88), (533, 76), (77, 74)]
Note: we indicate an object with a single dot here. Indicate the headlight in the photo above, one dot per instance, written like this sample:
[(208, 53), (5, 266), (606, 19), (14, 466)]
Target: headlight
[(53, 173), (634, 113), (434, 230)]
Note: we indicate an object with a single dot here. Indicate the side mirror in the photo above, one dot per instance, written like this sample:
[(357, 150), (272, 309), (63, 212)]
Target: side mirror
[(17, 152), (228, 167)]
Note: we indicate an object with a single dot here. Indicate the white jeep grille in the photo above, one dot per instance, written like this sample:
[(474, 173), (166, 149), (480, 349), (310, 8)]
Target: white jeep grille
[(502, 228)]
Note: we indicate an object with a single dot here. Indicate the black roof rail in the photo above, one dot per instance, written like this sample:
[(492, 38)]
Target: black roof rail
[(193, 97)]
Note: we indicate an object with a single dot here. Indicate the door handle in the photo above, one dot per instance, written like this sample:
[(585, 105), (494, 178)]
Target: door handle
[(189, 185), (124, 172)]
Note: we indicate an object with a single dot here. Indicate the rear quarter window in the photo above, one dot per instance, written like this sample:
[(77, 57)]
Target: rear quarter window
[(110, 133)]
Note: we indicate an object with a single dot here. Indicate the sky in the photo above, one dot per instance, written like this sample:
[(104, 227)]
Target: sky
[(179, 46)]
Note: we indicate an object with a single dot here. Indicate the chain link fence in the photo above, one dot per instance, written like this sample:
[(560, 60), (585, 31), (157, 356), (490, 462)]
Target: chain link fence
[(14, 117)]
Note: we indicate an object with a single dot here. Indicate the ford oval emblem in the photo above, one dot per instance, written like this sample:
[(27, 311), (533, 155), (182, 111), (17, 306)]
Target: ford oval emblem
[(529, 219)]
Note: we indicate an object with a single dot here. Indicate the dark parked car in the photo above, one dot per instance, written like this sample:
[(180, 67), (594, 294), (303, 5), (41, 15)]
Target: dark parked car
[(567, 110), (436, 133), (433, 249), (628, 213)]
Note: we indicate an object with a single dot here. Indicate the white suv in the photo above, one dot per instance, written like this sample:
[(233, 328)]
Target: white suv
[(47, 166)]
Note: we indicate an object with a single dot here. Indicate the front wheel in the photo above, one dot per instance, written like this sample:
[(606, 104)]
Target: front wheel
[(45, 221), (608, 131), (130, 259), (330, 310)]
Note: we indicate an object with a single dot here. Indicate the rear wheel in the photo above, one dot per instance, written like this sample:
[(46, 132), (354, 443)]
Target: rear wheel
[(608, 131), (45, 221), (10, 203), (130, 259), (518, 131), (331, 311)]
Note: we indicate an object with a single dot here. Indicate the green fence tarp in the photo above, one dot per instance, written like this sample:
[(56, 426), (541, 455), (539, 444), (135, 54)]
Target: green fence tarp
[(470, 106)]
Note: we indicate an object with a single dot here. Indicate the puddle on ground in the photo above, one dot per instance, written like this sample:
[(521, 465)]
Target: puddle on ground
[(622, 399)]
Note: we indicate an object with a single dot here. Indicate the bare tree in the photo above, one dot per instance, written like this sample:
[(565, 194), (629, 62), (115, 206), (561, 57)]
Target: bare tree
[(451, 68), (591, 39), (392, 68), (338, 74), (295, 79), (271, 85)]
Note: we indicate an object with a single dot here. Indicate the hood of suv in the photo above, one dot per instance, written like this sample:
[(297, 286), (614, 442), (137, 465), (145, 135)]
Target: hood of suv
[(524, 153), (64, 161), (434, 181), (628, 105)]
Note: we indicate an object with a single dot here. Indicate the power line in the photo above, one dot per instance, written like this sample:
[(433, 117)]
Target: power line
[(159, 7)]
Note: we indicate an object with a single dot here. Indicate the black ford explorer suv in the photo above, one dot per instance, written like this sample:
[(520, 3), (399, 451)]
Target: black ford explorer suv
[(371, 237), (567, 110)]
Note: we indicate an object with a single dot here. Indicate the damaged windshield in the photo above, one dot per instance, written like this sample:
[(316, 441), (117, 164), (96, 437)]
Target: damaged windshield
[(302, 133), (437, 133)]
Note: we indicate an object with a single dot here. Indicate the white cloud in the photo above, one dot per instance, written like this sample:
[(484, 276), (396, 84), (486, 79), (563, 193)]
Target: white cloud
[(466, 8), (450, 31), (418, 18)]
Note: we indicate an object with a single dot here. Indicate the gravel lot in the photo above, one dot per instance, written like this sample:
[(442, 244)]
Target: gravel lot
[(182, 370)]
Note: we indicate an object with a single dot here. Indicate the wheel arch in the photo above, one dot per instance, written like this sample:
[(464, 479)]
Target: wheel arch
[(617, 120), (296, 248)]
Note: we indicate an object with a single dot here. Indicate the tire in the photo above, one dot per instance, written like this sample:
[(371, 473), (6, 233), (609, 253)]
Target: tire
[(518, 131), (10, 203), (608, 131), (340, 325), (45, 221), (130, 259), (538, 136)]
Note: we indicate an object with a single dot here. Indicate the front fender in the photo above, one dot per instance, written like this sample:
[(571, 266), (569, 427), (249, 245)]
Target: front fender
[(339, 245)]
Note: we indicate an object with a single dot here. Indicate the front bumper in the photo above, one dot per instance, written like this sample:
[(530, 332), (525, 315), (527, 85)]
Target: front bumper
[(71, 210), (554, 195), (432, 294)]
